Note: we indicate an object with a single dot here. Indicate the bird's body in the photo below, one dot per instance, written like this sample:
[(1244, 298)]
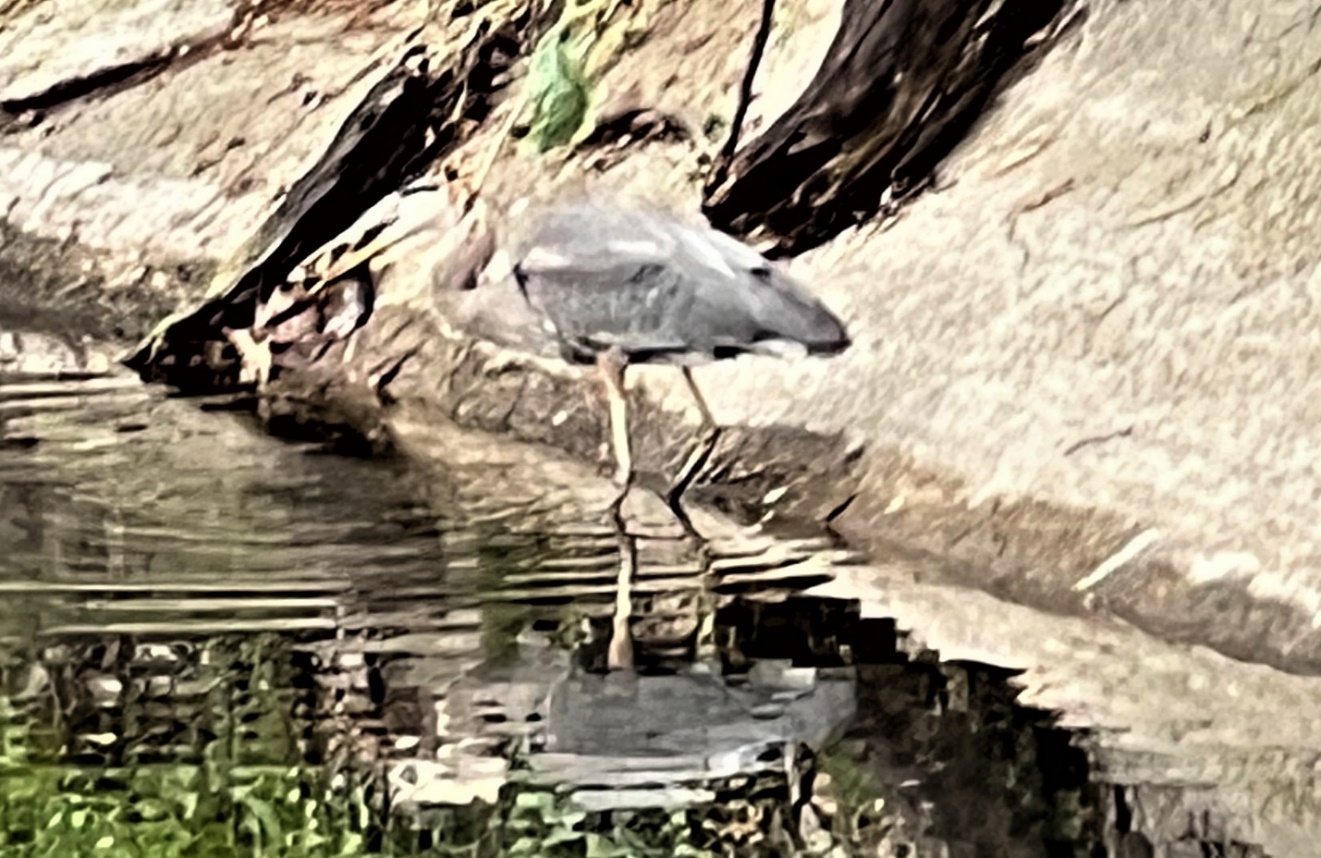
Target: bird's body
[(658, 289)]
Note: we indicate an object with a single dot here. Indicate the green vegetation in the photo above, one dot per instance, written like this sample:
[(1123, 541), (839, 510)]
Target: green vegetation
[(573, 55), (246, 796), (221, 807), (169, 811), (542, 825), (862, 819), (560, 91), (172, 811)]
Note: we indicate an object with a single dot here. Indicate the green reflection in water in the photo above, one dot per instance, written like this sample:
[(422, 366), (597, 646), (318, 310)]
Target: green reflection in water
[(246, 795)]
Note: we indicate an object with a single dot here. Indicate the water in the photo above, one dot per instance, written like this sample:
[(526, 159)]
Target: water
[(216, 642)]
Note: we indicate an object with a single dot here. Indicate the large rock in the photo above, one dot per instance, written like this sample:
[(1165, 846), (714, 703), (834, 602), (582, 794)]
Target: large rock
[(122, 195), (1087, 364), (1083, 361)]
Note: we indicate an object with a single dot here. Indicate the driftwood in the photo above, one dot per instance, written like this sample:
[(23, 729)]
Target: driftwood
[(408, 121)]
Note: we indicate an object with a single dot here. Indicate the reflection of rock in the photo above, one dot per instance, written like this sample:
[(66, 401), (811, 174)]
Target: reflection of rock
[(1198, 742)]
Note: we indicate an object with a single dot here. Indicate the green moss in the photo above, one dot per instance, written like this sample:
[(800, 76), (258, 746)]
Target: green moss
[(560, 94), (168, 811)]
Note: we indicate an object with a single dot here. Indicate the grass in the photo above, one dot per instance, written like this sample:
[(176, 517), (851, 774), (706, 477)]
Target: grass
[(170, 810)]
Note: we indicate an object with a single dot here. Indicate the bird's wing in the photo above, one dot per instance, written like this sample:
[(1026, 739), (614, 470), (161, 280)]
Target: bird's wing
[(733, 253), (602, 301), (590, 233)]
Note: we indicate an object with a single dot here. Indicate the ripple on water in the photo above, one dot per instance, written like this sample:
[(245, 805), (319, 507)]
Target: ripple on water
[(210, 636)]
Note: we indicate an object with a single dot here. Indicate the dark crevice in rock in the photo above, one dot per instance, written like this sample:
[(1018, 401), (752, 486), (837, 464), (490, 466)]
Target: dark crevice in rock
[(635, 126), (26, 112), (902, 83), (763, 35), (105, 82), (403, 125)]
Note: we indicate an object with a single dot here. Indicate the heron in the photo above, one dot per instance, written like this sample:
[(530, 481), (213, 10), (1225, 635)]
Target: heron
[(617, 286)]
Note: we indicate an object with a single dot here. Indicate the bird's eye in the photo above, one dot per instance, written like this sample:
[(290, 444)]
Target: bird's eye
[(762, 273)]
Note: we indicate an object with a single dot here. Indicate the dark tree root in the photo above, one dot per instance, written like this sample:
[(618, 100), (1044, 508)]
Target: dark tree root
[(902, 83)]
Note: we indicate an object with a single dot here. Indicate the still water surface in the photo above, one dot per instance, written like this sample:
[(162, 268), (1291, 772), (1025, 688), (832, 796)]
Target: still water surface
[(216, 642)]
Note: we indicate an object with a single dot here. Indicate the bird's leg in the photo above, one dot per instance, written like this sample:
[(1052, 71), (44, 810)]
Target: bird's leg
[(705, 649), (255, 359), (710, 434), (611, 364), (619, 654)]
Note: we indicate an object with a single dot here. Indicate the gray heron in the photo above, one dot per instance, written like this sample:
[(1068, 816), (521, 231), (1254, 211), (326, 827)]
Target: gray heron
[(617, 286)]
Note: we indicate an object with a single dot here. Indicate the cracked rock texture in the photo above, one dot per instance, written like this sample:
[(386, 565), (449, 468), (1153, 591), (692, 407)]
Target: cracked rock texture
[(1101, 329), (146, 188), (1083, 375)]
